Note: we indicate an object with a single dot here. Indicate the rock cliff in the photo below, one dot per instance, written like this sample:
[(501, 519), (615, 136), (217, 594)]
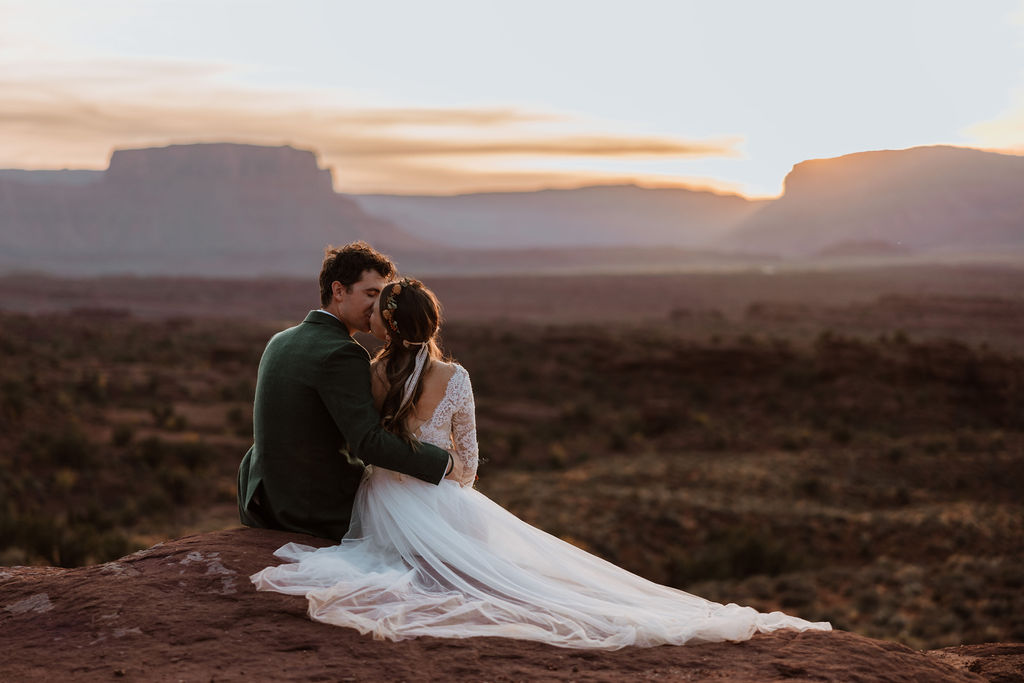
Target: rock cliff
[(920, 198)]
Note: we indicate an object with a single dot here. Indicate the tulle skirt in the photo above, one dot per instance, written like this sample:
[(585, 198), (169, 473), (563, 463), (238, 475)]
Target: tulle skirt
[(446, 561)]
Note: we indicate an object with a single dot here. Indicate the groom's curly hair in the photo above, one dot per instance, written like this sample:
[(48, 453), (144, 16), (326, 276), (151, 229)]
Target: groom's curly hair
[(346, 265)]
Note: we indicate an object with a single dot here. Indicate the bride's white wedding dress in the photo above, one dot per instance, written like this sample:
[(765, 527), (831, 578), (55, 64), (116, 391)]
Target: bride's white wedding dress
[(446, 561)]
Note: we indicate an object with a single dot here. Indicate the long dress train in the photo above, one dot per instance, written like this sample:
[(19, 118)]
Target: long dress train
[(446, 561)]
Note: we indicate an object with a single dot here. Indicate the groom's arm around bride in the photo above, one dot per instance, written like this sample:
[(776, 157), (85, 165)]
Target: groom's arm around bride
[(314, 424)]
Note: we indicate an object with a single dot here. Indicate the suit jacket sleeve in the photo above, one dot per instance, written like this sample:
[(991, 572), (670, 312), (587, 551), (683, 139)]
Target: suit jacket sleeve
[(344, 388)]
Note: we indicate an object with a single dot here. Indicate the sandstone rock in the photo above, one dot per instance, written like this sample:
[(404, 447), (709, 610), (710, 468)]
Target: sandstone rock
[(185, 610), (921, 198)]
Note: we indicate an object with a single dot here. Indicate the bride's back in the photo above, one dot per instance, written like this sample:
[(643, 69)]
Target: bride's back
[(434, 382)]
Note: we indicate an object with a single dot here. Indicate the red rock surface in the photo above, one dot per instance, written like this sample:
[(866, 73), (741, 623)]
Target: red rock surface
[(185, 610)]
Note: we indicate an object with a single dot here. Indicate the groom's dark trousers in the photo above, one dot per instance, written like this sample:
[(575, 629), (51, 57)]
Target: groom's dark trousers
[(315, 429)]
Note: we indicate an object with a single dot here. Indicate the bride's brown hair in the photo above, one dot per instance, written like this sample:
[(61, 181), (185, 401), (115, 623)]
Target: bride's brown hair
[(413, 318)]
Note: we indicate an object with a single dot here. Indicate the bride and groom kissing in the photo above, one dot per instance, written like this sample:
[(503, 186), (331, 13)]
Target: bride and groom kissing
[(380, 456)]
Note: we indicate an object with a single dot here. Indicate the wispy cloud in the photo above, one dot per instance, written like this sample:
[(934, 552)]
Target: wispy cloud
[(565, 147), (405, 176), (416, 116), (57, 115)]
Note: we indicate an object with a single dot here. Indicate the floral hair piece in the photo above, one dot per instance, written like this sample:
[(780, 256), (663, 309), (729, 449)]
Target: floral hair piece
[(391, 303)]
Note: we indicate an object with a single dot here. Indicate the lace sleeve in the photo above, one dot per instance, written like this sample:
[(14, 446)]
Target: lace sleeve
[(464, 429)]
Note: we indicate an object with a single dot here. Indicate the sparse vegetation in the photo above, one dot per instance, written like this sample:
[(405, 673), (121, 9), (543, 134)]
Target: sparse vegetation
[(97, 457), (868, 475)]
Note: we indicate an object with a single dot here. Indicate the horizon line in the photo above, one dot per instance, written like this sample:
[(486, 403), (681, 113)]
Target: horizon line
[(709, 185)]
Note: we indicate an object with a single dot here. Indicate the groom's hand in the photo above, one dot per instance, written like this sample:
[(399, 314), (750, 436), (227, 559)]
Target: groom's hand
[(454, 469)]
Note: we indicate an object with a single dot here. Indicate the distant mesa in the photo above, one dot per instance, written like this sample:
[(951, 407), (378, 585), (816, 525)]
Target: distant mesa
[(60, 177), (227, 165), (921, 198), (215, 209), (599, 216)]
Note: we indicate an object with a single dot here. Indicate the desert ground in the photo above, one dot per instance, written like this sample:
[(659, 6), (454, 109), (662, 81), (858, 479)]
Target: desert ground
[(842, 445)]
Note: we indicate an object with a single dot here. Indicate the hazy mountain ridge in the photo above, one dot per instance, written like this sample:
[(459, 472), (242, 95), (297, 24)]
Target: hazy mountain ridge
[(597, 216), (236, 210)]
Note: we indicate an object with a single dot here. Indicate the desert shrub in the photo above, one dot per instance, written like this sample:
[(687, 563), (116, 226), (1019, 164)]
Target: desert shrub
[(231, 355), (126, 513), (122, 435), (194, 455), (895, 454), (39, 535), (235, 415), (809, 487), (700, 392), (152, 451), (177, 423), (8, 526), (796, 592), (154, 501), (967, 441), (841, 434), (162, 414), (91, 386), (83, 544), (733, 553), (659, 417), (238, 389), (178, 482), (790, 439), (711, 434), (13, 399), (516, 440), (798, 376), (936, 444), (901, 496), (69, 447), (558, 455), (240, 421), (618, 439), (577, 413)]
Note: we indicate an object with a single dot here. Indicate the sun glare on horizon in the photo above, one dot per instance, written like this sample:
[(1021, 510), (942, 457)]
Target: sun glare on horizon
[(398, 99)]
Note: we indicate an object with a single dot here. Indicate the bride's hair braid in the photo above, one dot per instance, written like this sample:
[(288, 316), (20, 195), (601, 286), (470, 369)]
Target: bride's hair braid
[(413, 317)]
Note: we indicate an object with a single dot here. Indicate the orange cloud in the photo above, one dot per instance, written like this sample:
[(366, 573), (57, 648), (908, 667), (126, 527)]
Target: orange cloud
[(568, 146), (441, 117), (404, 176), (56, 117)]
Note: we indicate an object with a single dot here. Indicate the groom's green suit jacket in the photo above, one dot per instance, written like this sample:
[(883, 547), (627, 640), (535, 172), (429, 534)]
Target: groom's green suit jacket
[(315, 429)]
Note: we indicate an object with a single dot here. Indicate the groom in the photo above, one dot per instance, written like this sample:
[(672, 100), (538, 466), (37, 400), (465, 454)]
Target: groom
[(314, 424)]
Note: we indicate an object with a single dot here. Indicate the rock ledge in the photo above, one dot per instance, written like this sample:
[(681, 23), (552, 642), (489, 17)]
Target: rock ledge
[(185, 610)]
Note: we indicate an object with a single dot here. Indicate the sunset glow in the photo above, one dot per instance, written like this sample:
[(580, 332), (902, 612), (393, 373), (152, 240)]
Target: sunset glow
[(463, 96)]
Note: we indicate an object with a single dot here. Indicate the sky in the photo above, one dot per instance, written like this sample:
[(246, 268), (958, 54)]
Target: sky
[(453, 96)]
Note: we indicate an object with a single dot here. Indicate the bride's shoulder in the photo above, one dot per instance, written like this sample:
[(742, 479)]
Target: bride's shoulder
[(447, 371)]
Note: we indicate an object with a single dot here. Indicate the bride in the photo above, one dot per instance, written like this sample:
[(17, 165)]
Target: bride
[(446, 561)]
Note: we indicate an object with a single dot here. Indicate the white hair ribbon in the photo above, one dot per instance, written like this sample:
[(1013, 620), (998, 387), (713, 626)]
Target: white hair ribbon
[(410, 384)]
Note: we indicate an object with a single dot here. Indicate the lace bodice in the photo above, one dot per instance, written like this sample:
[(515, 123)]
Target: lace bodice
[(453, 425)]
